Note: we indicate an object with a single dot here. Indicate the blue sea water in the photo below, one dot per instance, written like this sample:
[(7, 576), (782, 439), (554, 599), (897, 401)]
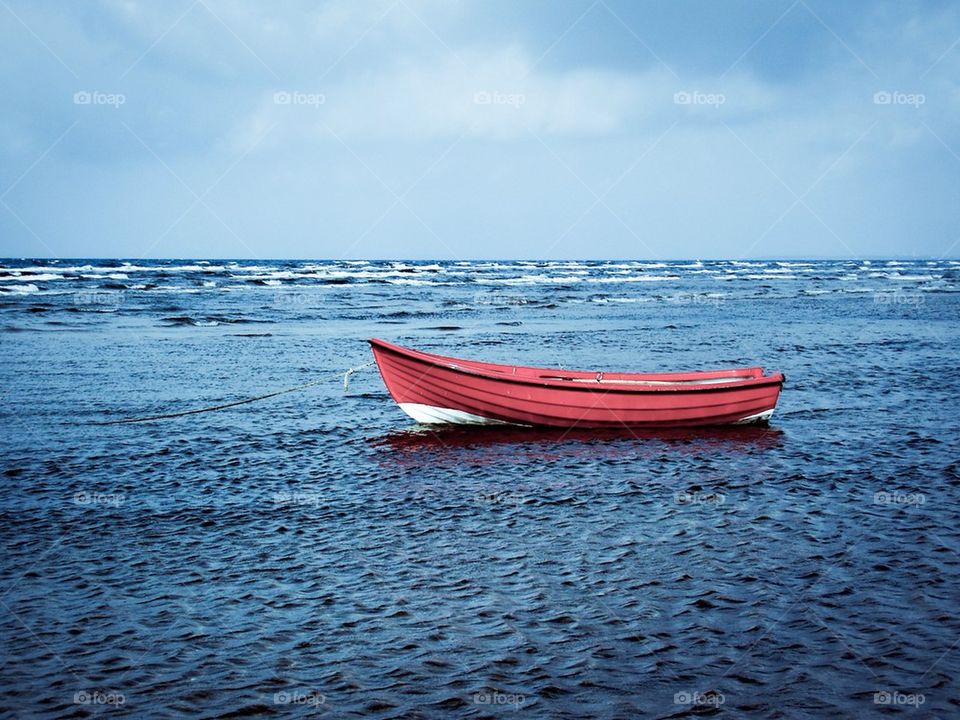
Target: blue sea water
[(316, 553)]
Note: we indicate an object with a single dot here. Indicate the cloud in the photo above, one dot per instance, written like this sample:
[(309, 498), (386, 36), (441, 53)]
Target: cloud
[(499, 95)]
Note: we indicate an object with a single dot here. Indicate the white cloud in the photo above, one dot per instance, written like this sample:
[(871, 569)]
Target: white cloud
[(498, 95)]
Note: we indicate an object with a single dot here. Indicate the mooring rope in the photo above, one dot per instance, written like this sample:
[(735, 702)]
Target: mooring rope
[(224, 406)]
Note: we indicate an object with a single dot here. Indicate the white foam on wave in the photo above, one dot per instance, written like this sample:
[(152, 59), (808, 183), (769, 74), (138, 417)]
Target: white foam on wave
[(278, 275), (407, 267), (18, 289), (229, 267), (896, 275), (635, 278), (412, 281), (768, 276), (540, 279), (43, 277), (111, 276), (129, 268), (70, 269), (320, 273)]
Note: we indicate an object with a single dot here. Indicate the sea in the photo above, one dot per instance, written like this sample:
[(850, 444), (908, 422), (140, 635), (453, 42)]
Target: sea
[(318, 554)]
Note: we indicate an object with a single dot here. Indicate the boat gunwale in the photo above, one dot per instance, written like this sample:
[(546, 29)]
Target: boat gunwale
[(448, 363)]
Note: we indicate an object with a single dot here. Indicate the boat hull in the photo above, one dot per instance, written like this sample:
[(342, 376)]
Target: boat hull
[(434, 389)]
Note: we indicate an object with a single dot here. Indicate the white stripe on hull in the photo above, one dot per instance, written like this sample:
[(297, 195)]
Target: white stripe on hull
[(759, 417), (430, 415)]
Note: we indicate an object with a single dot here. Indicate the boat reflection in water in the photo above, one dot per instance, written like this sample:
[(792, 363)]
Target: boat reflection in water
[(513, 445)]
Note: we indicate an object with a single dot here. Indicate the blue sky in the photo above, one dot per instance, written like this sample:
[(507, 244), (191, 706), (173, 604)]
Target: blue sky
[(479, 129)]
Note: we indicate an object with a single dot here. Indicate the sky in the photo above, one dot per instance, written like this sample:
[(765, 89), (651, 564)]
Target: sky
[(461, 129)]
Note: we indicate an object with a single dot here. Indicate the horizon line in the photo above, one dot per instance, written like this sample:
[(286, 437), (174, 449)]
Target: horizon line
[(773, 258)]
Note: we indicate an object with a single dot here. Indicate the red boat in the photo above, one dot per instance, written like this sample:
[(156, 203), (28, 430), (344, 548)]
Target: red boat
[(438, 389)]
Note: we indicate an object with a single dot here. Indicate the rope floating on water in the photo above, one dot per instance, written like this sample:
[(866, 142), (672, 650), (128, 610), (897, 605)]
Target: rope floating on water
[(351, 371), (224, 406)]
